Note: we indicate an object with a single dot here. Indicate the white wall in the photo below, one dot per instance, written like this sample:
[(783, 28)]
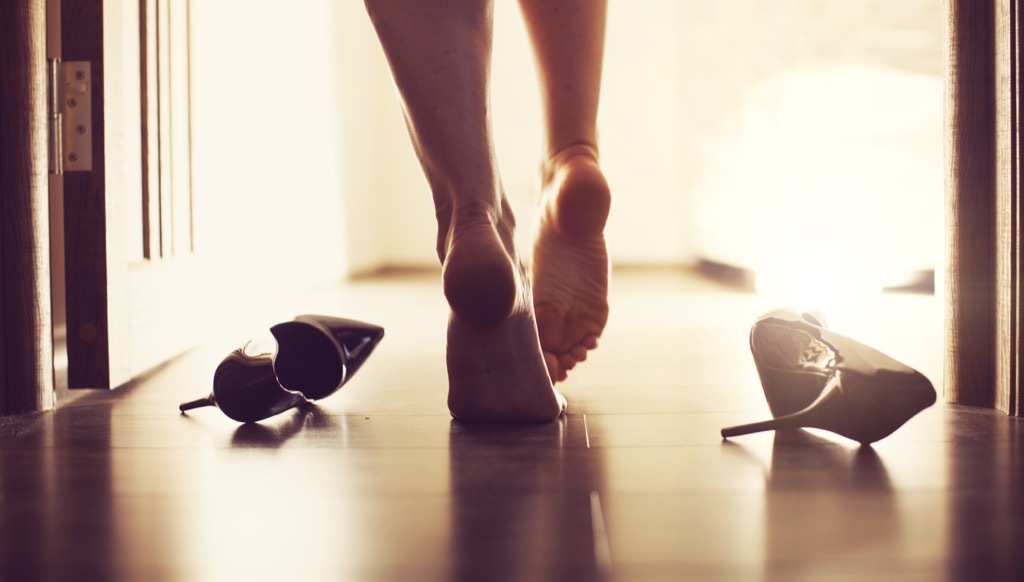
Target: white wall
[(298, 124), (679, 78), (820, 137), (386, 198), (389, 216), (267, 160)]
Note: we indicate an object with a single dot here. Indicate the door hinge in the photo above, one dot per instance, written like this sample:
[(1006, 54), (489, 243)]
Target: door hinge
[(69, 104)]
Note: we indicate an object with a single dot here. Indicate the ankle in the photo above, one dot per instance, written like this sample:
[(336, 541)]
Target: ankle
[(577, 148), (570, 154), (475, 211), (454, 213)]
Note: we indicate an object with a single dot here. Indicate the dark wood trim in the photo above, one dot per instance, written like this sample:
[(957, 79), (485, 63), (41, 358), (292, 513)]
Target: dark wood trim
[(970, 286), (85, 216), (1008, 131), (1010, 27), (26, 332), (983, 275)]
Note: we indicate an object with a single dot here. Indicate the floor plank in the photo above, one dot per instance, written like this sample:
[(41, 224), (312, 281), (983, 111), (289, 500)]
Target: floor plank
[(633, 483)]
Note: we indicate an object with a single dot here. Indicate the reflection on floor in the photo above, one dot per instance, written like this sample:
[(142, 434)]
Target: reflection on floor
[(634, 483)]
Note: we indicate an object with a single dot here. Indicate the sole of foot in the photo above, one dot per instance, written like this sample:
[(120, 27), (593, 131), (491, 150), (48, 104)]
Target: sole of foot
[(570, 259)]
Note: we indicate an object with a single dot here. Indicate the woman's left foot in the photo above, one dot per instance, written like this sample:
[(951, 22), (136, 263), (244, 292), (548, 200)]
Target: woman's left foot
[(496, 371)]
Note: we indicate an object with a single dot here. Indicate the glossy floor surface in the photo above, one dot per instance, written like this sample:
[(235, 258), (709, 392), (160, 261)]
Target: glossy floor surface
[(634, 483)]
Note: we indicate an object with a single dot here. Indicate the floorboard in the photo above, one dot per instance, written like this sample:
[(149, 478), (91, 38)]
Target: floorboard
[(633, 483)]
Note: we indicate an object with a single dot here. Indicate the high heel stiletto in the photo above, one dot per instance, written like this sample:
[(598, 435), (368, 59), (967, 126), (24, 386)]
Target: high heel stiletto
[(315, 356), (816, 378)]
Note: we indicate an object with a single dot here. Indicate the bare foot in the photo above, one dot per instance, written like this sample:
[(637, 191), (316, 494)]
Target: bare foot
[(570, 260), (495, 368)]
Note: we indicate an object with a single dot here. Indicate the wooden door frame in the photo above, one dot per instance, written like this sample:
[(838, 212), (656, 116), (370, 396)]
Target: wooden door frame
[(134, 314), (26, 340), (984, 236)]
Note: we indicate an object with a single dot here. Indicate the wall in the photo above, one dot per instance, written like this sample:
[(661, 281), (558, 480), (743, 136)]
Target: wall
[(820, 137), (311, 133), (267, 158), (386, 198), (386, 201), (680, 77)]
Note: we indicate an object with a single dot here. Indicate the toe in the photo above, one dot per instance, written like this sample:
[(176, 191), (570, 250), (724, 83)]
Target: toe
[(567, 362), (555, 370), (562, 402)]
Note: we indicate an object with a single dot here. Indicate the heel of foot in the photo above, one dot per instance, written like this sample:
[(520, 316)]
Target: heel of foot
[(582, 199), (583, 205), (480, 287)]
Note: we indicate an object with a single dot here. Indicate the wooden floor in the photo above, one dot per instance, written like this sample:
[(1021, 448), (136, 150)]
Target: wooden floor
[(634, 483)]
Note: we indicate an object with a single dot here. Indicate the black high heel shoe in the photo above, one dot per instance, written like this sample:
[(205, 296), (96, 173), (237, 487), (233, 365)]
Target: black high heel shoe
[(816, 378), (315, 356)]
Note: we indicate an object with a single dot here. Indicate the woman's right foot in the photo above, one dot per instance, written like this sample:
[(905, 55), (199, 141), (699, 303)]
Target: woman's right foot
[(570, 259)]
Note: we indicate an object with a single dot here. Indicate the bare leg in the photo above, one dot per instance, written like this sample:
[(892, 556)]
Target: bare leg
[(439, 53), (570, 260)]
